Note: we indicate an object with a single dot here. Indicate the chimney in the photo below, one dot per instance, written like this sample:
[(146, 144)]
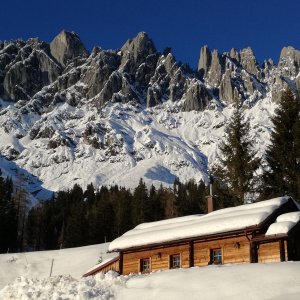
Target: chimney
[(210, 198), (210, 204)]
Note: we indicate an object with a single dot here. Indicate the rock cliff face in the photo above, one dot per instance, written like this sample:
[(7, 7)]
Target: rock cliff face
[(204, 61), (137, 72), (61, 106), (66, 46), (237, 75), (26, 67)]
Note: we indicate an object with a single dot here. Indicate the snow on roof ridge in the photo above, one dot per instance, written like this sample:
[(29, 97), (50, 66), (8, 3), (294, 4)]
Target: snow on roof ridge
[(291, 216), (169, 221), (284, 223), (221, 221), (275, 201)]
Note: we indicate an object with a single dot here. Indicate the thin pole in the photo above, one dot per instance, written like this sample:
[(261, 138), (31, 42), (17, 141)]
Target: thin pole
[(51, 267)]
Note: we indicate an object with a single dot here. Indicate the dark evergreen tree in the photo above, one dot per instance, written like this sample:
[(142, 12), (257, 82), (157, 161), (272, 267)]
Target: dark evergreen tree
[(34, 228), (282, 174), (140, 202), (196, 200), (180, 197), (222, 195), (237, 162), (49, 225), (157, 211), (8, 217), (167, 198), (76, 233), (121, 200), (76, 194), (62, 206), (89, 194), (101, 217)]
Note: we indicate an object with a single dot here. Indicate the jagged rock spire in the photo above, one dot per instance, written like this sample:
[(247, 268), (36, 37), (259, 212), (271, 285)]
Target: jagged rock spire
[(66, 46), (248, 61), (204, 61), (136, 50), (290, 61)]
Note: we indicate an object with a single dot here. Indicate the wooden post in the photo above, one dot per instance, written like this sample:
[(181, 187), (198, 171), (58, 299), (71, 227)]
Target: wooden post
[(191, 253), (253, 253), (51, 267), (282, 252), (121, 263)]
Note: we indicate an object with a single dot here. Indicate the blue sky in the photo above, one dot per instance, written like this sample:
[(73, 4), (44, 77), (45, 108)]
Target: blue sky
[(265, 25)]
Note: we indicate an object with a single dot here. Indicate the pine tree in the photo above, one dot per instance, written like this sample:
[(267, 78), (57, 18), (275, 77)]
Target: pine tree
[(282, 175), (167, 198), (157, 208), (76, 230), (121, 201), (180, 197), (140, 203), (8, 216), (237, 164), (196, 201), (89, 194)]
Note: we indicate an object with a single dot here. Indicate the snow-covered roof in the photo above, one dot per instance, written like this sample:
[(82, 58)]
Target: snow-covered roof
[(284, 223), (104, 263), (220, 221)]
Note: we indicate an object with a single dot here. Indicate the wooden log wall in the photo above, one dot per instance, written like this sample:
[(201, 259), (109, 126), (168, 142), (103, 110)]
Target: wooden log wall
[(234, 250), (111, 267), (270, 252), (159, 258)]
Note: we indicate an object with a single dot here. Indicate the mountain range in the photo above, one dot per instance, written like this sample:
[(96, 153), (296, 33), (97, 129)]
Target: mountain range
[(70, 116)]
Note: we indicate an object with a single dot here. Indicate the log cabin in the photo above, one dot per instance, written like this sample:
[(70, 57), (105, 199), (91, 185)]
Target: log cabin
[(267, 231)]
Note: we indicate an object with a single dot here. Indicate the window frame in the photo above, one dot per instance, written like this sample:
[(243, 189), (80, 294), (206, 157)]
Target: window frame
[(142, 265), (171, 261), (213, 256)]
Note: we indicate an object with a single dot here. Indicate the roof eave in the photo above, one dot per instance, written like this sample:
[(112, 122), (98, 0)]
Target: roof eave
[(97, 270)]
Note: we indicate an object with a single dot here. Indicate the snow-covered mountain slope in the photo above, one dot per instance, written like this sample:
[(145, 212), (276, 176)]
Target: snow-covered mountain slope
[(112, 117), (157, 144)]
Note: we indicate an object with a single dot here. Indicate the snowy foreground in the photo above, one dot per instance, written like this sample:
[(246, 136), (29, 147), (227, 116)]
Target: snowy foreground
[(73, 261), (255, 281)]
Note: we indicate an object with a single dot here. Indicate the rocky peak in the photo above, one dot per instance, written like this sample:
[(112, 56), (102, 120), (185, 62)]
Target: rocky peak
[(234, 54), (291, 53), (216, 69), (66, 46), (167, 81), (204, 61), (25, 68), (289, 61), (210, 66), (248, 61), (136, 50)]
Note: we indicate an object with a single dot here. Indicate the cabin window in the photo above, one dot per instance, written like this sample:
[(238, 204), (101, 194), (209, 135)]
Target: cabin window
[(175, 261), (216, 256), (145, 265)]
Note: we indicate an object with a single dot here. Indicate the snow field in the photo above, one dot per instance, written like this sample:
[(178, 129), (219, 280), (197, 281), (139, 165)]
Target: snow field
[(277, 281), (73, 261)]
